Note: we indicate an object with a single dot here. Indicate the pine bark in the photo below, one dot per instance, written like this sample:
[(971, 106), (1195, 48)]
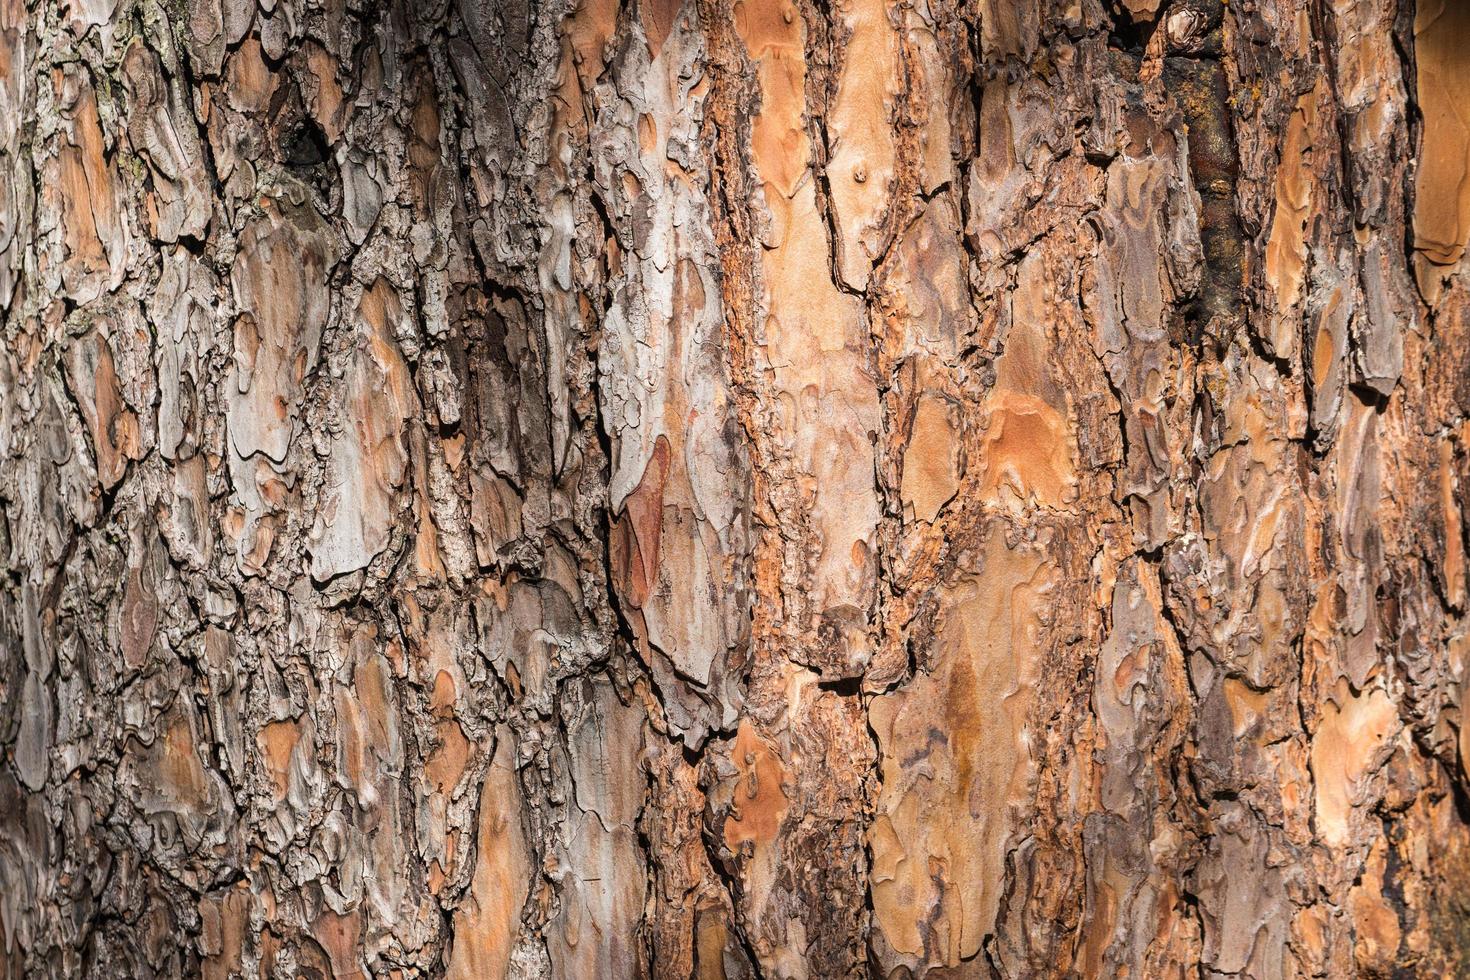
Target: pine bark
[(734, 488)]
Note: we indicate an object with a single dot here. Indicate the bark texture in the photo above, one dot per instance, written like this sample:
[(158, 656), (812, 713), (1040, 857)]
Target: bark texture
[(734, 488)]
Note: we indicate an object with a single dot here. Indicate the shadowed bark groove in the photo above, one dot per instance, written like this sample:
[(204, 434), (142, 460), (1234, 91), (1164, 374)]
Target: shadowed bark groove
[(734, 488)]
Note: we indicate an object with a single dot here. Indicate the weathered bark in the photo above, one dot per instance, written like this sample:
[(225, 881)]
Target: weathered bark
[(734, 488)]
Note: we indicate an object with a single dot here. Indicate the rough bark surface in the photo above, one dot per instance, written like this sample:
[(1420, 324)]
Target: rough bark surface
[(734, 488)]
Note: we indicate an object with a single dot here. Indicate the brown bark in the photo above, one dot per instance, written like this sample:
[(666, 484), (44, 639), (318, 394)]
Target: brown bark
[(734, 488)]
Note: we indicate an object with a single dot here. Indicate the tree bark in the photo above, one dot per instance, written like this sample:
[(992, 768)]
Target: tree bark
[(734, 488)]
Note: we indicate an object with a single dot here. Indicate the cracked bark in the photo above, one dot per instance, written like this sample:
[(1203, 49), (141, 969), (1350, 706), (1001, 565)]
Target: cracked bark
[(734, 489)]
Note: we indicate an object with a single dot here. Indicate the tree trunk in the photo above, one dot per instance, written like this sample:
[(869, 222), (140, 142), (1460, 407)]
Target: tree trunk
[(734, 488)]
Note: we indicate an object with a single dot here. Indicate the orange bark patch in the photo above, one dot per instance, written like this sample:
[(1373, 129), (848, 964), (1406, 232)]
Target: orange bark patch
[(83, 247), (1442, 186), (139, 619), (339, 938), (222, 940), (447, 763), (365, 722), (83, 193), (658, 21), (639, 527), (1324, 352), (1247, 707), (1026, 453), (1454, 553), (585, 35), (277, 741), (930, 478), (775, 37), (112, 425), (861, 168), (180, 773), (1286, 251), (955, 755), (487, 923), (249, 82), (760, 801), (1375, 923), (370, 462), (326, 105), (1343, 749)]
